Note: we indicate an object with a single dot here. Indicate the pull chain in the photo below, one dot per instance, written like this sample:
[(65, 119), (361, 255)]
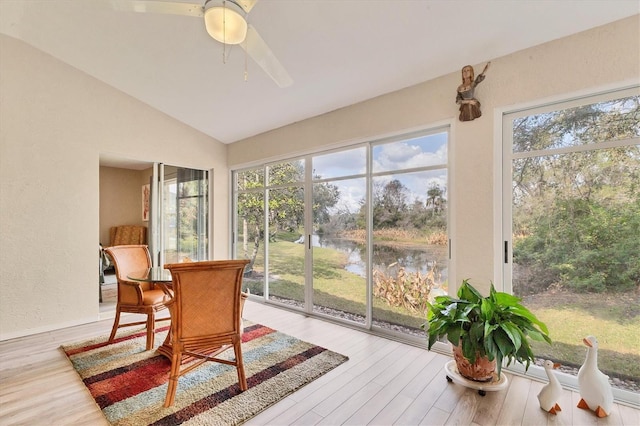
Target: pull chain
[(246, 60), (224, 32), (224, 42)]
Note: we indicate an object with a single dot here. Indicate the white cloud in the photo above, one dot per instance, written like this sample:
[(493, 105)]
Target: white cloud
[(419, 152)]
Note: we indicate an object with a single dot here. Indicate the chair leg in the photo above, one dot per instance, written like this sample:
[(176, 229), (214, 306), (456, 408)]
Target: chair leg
[(174, 375), (242, 380), (151, 329), (116, 322)]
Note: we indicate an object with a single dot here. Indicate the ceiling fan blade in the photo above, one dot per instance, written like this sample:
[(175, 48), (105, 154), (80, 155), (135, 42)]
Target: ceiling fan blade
[(260, 52), (247, 5), (153, 6)]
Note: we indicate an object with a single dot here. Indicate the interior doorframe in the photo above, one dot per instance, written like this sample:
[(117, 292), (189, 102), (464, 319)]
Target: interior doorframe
[(155, 234)]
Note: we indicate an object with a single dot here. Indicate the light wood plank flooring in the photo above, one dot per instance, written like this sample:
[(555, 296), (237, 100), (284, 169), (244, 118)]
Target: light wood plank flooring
[(383, 383)]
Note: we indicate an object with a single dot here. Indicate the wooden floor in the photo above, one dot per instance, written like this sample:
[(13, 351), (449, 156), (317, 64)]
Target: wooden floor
[(383, 383)]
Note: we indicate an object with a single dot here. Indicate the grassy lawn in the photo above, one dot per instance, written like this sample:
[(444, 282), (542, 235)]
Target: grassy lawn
[(334, 286), (613, 319)]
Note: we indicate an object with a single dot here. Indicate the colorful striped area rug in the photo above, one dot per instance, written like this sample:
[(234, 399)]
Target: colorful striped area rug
[(129, 384)]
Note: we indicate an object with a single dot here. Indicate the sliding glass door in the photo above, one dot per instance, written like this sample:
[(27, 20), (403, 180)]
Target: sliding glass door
[(249, 201), (179, 214), (409, 229), (356, 234), (285, 225), (339, 253), (572, 215)]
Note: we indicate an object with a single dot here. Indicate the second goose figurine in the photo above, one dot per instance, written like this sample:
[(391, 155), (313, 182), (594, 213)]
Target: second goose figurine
[(550, 393)]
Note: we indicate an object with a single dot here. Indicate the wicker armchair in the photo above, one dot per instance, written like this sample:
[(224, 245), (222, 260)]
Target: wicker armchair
[(206, 317), (133, 296), (122, 235)]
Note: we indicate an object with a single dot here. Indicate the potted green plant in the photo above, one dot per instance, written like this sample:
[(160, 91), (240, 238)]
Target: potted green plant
[(484, 331)]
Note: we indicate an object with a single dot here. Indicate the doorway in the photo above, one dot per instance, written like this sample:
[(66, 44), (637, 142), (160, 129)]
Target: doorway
[(177, 218)]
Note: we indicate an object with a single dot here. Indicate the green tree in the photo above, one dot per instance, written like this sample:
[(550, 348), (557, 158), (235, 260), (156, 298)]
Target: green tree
[(285, 206), (389, 204), (435, 198), (576, 213), (325, 197)]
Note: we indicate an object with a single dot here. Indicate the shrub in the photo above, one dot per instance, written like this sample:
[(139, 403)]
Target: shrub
[(587, 246), (409, 290)]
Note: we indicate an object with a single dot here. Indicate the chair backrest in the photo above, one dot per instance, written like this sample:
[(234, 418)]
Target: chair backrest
[(129, 258), (206, 298)]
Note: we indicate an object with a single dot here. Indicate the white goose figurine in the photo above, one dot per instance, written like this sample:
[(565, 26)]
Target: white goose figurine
[(595, 389), (550, 393)]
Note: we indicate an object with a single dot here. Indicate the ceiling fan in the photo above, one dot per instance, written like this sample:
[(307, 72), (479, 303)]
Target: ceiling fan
[(225, 21)]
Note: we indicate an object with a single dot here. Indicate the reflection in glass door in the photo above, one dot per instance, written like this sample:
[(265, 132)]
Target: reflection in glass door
[(179, 215)]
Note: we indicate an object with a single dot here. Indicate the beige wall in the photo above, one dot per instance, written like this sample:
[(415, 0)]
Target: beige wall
[(55, 123), (607, 56), (120, 199)]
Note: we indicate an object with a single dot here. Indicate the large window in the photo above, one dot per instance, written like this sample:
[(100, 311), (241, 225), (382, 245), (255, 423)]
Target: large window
[(357, 234), (572, 204)]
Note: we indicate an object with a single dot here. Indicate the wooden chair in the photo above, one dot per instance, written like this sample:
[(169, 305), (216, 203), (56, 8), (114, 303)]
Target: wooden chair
[(206, 317), (134, 296)]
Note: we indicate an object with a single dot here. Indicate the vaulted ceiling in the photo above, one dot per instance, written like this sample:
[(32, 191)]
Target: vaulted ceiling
[(338, 52)]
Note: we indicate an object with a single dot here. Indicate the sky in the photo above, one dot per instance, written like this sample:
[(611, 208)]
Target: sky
[(425, 156)]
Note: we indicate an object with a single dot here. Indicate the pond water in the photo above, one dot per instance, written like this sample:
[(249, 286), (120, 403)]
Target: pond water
[(388, 258)]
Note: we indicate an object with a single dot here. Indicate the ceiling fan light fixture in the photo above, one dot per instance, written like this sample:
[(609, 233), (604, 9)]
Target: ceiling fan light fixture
[(225, 22)]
